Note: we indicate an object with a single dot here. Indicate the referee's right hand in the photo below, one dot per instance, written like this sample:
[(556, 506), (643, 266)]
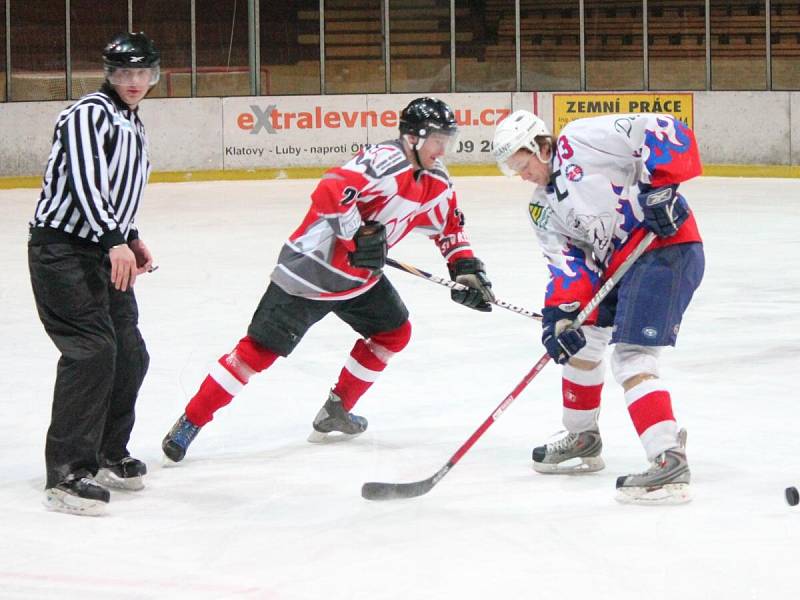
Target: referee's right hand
[(123, 267)]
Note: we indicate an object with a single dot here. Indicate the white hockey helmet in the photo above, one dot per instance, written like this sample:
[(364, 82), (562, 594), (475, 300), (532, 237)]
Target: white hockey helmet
[(518, 130)]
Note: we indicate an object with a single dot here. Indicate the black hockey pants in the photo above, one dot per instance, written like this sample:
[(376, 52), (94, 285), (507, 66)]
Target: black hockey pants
[(103, 356)]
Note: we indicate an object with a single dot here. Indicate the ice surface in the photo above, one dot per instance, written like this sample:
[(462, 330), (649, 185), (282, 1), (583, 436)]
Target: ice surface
[(257, 512)]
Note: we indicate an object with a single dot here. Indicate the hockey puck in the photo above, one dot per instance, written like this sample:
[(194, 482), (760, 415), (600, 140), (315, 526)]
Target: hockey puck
[(792, 496)]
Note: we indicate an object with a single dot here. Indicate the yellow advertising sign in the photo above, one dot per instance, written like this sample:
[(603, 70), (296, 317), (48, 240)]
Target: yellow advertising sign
[(568, 107)]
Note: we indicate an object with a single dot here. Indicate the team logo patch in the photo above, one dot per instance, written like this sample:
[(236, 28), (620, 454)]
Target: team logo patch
[(573, 172), (650, 332), (659, 197), (540, 214)]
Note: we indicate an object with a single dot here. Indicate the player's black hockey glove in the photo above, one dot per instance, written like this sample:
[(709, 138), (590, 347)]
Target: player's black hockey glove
[(664, 208), (561, 341), (471, 273), (370, 241)]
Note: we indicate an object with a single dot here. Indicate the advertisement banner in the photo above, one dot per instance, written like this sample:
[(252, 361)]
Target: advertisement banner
[(568, 107), (311, 131), (304, 131)]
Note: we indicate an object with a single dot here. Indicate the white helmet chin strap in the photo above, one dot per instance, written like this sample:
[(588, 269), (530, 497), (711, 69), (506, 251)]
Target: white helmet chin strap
[(538, 154)]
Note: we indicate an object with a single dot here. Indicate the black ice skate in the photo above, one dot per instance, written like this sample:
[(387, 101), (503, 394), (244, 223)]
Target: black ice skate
[(124, 474), (176, 442), (77, 495), (573, 454), (333, 423), (665, 482)]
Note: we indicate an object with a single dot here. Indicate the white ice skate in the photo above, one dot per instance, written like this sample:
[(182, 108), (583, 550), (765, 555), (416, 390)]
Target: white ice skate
[(573, 454), (665, 482)]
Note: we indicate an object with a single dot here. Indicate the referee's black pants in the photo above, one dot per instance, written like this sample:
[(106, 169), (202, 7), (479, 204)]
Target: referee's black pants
[(103, 356)]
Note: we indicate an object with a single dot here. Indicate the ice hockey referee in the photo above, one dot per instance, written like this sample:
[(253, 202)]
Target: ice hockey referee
[(84, 254)]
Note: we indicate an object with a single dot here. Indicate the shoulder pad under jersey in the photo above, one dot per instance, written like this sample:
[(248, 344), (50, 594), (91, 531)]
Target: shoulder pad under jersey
[(381, 160)]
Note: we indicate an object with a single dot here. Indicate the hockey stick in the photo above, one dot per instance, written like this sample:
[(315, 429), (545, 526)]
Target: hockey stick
[(375, 490), (457, 286)]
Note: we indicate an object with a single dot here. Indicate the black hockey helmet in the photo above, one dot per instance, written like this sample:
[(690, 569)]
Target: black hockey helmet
[(131, 51), (427, 115)]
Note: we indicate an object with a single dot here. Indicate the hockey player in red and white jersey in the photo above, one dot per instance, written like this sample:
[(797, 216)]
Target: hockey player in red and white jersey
[(601, 185), (333, 263)]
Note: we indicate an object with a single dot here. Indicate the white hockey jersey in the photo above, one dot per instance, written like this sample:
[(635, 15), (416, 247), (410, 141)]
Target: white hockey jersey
[(588, 218)]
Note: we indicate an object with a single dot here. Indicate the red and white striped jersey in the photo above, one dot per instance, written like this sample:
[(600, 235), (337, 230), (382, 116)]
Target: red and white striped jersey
[(378, 184)]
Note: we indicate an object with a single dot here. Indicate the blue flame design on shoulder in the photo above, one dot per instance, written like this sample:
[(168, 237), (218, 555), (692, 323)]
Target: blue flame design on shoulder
[(671, 138)]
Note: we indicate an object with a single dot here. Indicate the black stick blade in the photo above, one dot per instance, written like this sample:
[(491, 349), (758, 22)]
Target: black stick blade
[(375, 490)]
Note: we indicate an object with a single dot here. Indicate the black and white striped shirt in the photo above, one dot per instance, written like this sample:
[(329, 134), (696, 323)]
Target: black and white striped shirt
[(95, 175)]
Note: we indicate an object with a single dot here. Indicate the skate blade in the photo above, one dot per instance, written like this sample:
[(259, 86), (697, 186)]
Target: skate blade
[(586, 464), (167, 462), (672, 493), (109, 479), (333, 437), (59, 501)]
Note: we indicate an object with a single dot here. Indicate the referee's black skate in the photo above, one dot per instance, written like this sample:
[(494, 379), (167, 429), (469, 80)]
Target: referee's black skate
[(77, 494), (177, 440), (123, 474), (334, 424)]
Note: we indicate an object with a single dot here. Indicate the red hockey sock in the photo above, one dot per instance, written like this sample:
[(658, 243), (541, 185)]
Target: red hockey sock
[(227, 377), (580, 397), (650, 408), (367, 360), (581, 392)]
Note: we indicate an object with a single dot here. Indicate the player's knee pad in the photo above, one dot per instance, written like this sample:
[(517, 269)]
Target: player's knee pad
[(394, 340), (250, 357), (629, 360), (597, 339), (585, 377)]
